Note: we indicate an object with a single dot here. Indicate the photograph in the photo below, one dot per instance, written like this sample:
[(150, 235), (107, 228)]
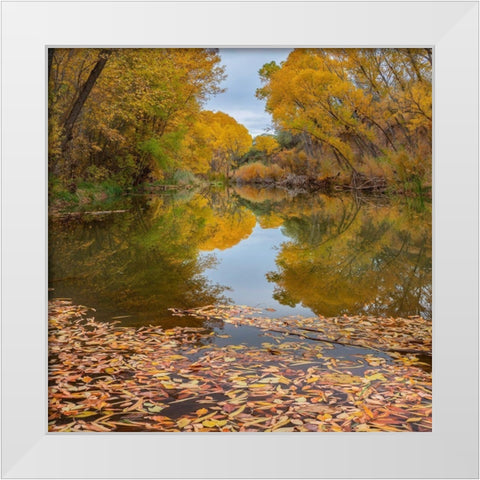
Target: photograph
[(239, 239)]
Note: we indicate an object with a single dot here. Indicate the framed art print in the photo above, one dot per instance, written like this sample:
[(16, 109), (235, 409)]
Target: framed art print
[(240, 255)]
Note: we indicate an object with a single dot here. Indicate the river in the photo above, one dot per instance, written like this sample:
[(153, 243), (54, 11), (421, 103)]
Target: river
[(288, 254)]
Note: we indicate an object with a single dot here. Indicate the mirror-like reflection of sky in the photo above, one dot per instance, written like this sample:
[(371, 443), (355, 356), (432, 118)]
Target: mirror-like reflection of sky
[(243, 268)]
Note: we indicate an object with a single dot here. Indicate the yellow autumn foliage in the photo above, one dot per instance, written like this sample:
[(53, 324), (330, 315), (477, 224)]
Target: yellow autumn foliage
[(266, 144), (214, 142), (350, 104)]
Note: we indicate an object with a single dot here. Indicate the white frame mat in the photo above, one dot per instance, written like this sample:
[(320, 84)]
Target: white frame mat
[(451, 450)]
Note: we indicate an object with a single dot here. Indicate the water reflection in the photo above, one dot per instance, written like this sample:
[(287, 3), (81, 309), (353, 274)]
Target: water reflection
[(330, 255), (348, 255), (135, 264)]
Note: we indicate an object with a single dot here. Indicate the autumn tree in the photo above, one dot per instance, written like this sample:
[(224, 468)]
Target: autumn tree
[(355, 104), (133, 120), (83, 94), (216, 141), (266, 144)]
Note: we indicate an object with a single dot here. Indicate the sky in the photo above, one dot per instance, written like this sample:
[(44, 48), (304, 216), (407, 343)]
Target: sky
[(239, 101)]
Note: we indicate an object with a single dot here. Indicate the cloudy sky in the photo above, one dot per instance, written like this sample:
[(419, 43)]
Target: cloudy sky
[(239, 101)]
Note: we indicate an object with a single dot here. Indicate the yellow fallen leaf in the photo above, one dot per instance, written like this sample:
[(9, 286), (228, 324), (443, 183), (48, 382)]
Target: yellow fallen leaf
[(339, 378), (183, 422), (238, 411), (240, 384), (336, 428), (168, 385), (284, 380), (214, 423), (376, 376), (258, 420), (368, 411), (325, 416), (270, 380), (206, 417), (415, 419), (87, 413), (283, 421)]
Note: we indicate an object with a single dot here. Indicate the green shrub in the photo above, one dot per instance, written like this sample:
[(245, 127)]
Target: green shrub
[(183, 177), (58, 193)]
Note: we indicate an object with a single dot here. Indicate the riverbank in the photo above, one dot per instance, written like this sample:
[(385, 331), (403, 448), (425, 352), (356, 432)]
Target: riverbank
[(93, 194), (107, 377), (360, 185), (104, 196)]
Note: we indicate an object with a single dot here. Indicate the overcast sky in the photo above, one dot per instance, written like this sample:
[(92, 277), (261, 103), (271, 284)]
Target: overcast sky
[(239, 101)]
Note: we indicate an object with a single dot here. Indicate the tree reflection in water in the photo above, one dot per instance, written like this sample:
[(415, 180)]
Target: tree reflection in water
[(341, 254), (352, 255)]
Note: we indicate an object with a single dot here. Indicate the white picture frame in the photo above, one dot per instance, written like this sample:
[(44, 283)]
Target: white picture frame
[(450, 450)]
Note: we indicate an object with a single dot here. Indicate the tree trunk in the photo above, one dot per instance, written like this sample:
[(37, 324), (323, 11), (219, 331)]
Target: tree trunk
[(82, 97), (51, 52)]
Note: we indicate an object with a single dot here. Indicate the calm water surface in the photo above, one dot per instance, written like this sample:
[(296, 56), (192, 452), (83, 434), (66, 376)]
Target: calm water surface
[(299, 255)]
